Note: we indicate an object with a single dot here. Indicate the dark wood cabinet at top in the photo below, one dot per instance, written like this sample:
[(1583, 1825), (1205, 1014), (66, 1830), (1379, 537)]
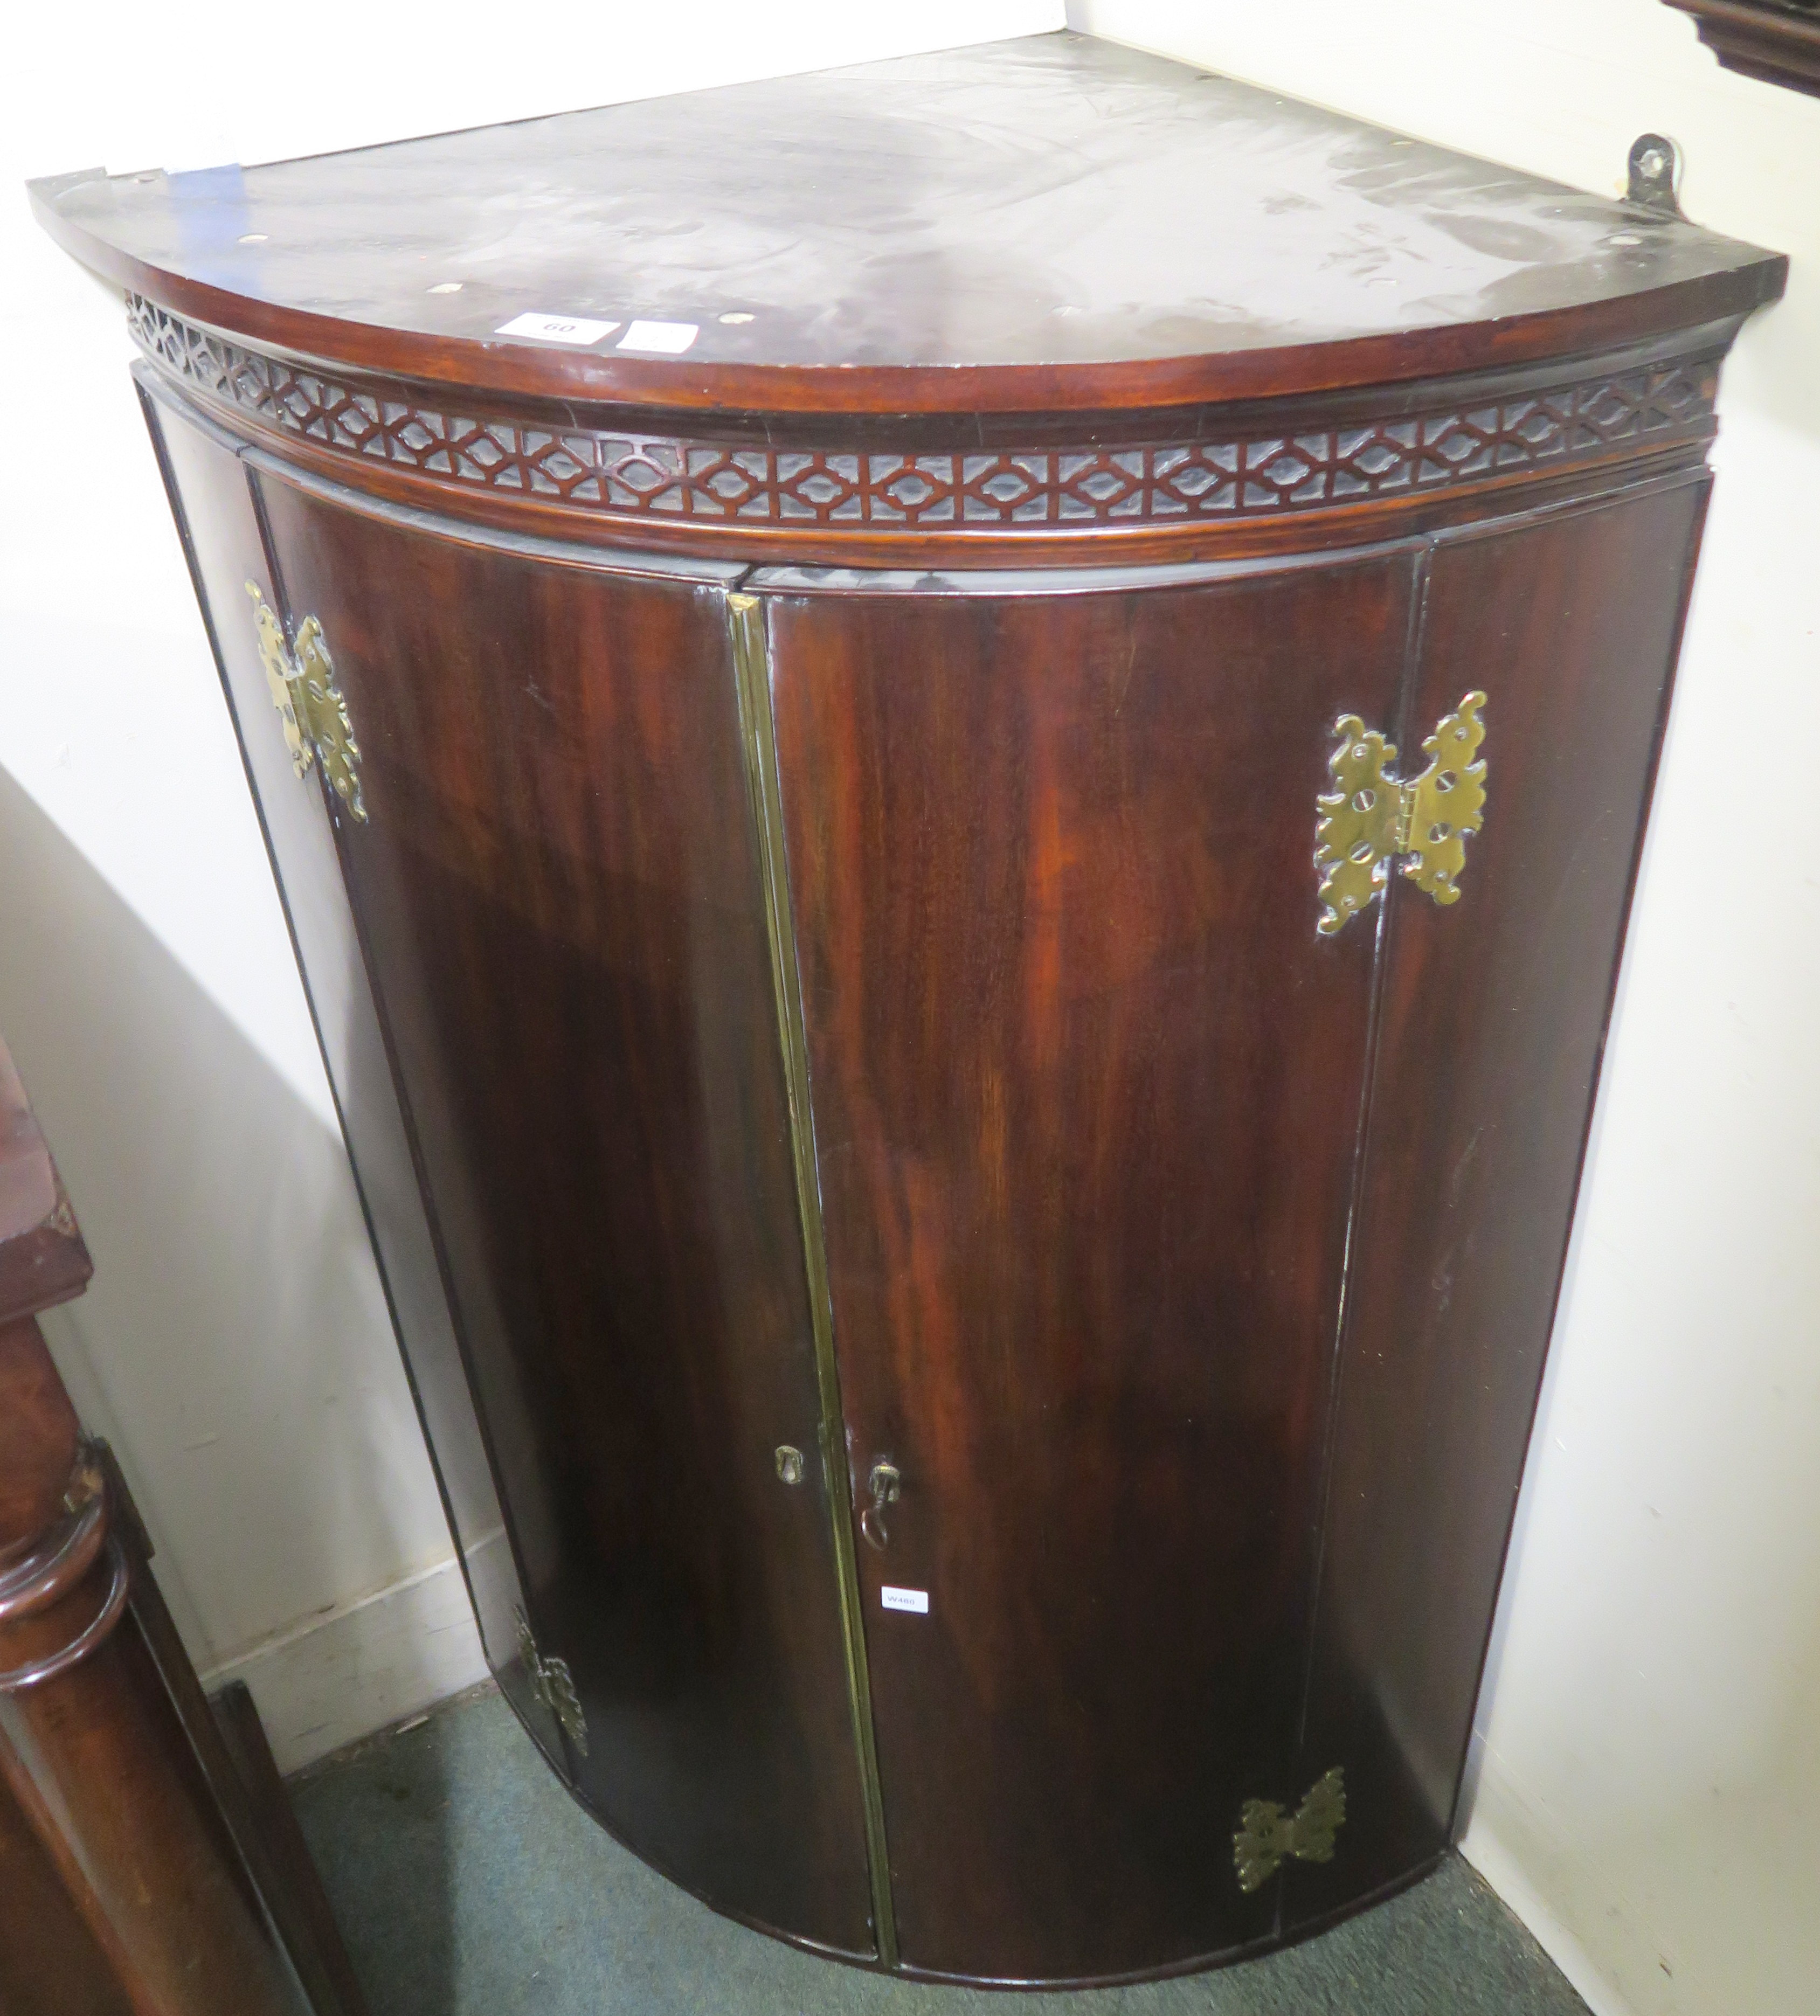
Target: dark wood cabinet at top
[(978, 1323)]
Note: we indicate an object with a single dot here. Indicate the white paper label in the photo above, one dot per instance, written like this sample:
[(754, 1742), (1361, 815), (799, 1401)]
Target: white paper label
[(904, 1599), (668, 338), (557, 329)]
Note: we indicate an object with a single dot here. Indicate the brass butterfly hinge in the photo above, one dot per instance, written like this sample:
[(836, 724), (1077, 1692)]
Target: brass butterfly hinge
[(1268, 1836), (554, 1685), (1371, 819), (309, 702)]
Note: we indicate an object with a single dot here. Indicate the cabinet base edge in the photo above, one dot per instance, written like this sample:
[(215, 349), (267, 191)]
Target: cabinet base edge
[(908, 1970)]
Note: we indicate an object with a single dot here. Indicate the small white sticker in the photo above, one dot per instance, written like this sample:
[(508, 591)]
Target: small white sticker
[(557, 329), (904, 1599), (671, 338)]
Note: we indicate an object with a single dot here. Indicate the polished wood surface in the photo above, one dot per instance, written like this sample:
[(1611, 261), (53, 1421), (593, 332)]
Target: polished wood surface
[(103, 1768), (829, 962), (1085, 1197), (38, 1435), (135, 1873), (969, 489), (1777, 41), (1051, 223), (553, 807), (1492, 1029), (604, 1139), (50, 1958)]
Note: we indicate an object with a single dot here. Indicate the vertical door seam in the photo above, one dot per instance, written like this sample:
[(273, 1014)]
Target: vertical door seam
[(758, 743), (1414, 640)]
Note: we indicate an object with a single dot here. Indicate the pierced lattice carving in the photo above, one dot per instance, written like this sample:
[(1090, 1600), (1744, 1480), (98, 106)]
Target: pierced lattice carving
[(648, 476)]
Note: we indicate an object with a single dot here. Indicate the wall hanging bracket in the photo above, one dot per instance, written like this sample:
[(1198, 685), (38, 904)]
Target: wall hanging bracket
[(1655, 169)]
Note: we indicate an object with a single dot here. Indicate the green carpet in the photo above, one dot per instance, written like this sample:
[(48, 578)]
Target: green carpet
[(468, 1883)]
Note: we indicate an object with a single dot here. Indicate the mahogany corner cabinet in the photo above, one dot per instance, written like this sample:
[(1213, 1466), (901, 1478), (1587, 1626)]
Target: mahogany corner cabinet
[(956, 751)]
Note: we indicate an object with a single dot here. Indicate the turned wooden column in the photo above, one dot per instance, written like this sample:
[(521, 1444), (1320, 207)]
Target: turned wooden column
[(147, 1863)]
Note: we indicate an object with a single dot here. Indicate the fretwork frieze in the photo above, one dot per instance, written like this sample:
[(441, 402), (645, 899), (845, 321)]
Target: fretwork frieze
[(660, 477)]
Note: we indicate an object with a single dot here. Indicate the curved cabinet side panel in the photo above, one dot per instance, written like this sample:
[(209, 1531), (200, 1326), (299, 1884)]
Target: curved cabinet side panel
[(210, 495), (1086, 1087), (558, 890), (1493, 1026)]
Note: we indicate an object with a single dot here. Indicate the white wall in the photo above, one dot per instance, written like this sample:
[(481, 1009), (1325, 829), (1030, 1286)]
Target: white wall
[(1650, 1786), (235, 1346)]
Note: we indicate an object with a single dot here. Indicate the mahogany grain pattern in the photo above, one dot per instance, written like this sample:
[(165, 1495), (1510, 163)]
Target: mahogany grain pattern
[(39, 1436), (102, 1767), (50, 1958), (1086, 1088), (1051, 223), (134, 1873), (712, 1675), (43, 1260), (558, 896), (1034, 489), (224, 1742), (1494, 1024)]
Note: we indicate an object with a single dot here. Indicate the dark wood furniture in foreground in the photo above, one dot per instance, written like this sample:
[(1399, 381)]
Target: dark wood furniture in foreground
[(149, 1864), (1776, 41), (977, 1308)]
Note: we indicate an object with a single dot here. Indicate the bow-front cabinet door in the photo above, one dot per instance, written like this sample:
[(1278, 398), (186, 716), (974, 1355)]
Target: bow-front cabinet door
[(848, 1066), (1191, 1266), (1087, 1085), (526, 818)]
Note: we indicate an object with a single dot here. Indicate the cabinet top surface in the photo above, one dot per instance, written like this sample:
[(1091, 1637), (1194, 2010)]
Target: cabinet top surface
[(1055, 222)]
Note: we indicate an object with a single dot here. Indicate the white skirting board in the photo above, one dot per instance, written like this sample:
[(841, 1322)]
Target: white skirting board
[(1514, 1847), (341, 1675)]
